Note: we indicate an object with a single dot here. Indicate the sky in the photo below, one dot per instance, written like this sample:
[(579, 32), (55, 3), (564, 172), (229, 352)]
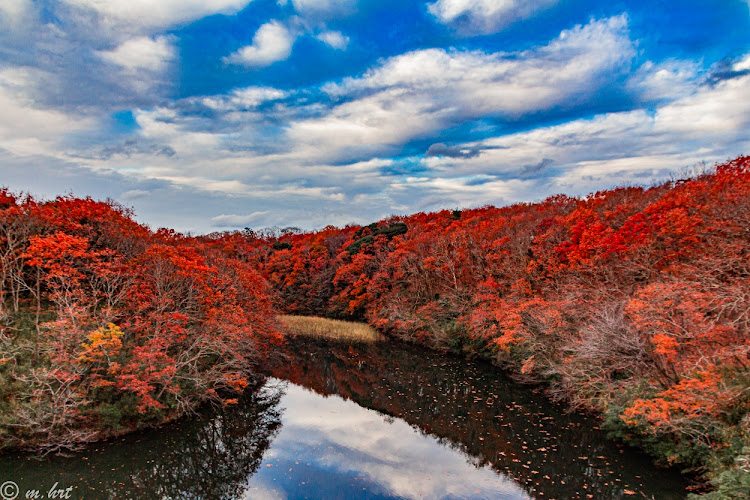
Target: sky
[(216, 115)]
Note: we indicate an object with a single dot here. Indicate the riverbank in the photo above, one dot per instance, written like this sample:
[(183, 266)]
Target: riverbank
[(340, 419), (630, 302)]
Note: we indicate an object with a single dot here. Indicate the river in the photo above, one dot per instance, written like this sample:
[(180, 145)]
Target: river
[(382, 420)]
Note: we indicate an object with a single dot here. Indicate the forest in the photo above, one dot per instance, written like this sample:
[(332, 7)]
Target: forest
[(109, 327), (631, 303)]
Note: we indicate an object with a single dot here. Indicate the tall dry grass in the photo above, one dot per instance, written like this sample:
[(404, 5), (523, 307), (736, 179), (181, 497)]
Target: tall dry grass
[(329, 328)]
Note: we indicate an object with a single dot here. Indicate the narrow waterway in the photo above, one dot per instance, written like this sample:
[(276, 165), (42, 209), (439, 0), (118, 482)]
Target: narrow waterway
[(362, 421)]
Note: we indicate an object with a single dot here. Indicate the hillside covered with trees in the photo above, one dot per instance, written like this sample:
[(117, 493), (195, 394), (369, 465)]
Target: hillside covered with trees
[(633, 303), (106, 327)]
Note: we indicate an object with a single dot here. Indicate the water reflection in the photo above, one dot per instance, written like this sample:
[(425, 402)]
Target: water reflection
[(333, 448), (372, 421), (210, 456), (490, 421)]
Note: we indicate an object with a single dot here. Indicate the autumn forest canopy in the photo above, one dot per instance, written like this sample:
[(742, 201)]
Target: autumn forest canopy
[(632, 303)]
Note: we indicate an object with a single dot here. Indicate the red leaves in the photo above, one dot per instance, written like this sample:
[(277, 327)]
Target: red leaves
[(56, 252), (168, 319), (622, 294), (701, 395)]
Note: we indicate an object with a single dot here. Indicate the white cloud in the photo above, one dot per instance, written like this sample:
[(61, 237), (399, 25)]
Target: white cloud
[(334, 39), (142, 53), (387, 452), (485, 16), (134, 194), (614, 148), (318, 161), (242, 99), (272, 42), (318, 8), (722, 109), (575, 58), (235, 221), (419, 92), (744, 63), (13, 11), (322, 151), (666, 80), (155, 14), (28, 128)]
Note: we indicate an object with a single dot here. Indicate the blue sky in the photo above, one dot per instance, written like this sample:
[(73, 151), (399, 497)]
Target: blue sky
[(212, 115)]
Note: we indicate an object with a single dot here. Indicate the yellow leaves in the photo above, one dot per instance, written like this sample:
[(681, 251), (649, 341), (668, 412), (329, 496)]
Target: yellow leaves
[(103, 343)]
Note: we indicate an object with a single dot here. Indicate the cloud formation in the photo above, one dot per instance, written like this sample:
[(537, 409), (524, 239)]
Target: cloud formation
[(334, 39), (271, 43), (417, 93), (235, 221), (485, 16), (148, 14), (341, 111), (441, 149), (141, 53), (323, 8)]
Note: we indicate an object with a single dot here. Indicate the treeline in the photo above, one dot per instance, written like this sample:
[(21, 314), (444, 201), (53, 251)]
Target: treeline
[(632, 302), (106, 326)]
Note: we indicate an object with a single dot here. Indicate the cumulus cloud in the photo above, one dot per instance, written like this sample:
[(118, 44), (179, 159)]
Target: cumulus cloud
[(141, 53), (272, 42), (577, 59), (86, 63), (335, 153), (485, 16), (149, 14), (334, 39)]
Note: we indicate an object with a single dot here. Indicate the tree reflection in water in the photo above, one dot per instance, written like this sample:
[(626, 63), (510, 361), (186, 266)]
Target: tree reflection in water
[(472, 408), (501, 427), (210, 456)]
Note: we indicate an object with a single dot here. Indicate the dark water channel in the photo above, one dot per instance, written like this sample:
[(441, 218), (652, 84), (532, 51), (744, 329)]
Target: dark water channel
[(365, 421)]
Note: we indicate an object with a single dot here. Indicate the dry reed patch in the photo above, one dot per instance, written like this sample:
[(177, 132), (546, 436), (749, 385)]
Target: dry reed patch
[(329, 328)]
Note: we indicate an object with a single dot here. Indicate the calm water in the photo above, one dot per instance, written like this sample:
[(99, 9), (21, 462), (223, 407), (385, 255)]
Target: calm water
[(378, 421)]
